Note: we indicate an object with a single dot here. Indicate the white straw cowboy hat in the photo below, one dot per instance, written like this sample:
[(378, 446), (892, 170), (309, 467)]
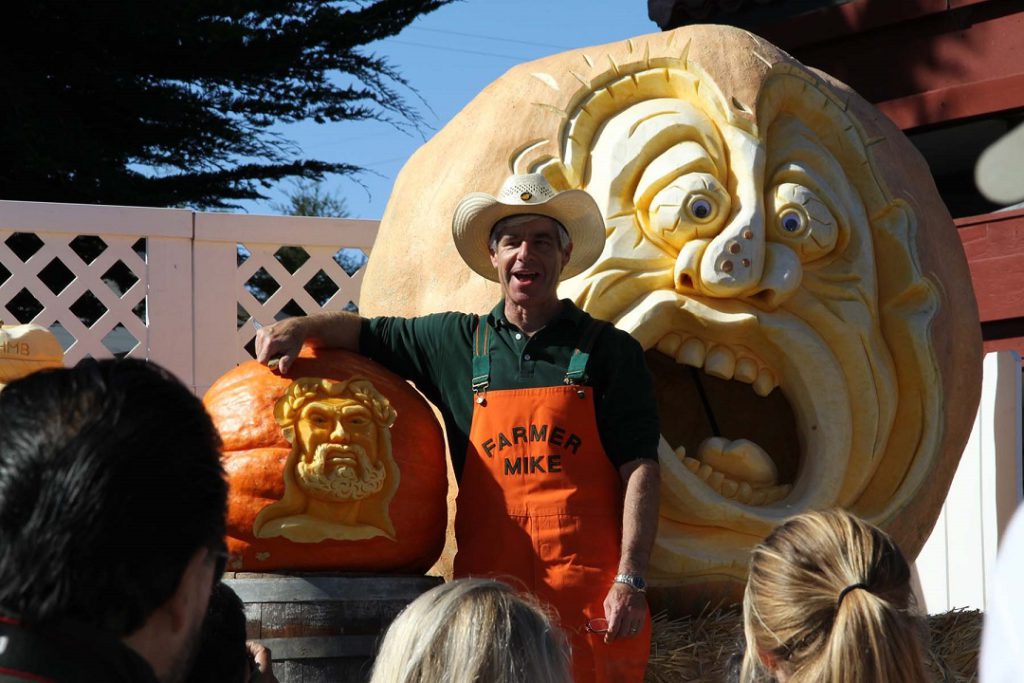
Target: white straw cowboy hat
[(529, 193)]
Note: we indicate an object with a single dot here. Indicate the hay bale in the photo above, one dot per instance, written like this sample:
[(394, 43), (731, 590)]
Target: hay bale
[(955, 640), (702, 648), (694, 648)]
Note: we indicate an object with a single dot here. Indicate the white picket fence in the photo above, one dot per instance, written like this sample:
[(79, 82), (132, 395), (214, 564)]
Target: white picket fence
[(191, 306)]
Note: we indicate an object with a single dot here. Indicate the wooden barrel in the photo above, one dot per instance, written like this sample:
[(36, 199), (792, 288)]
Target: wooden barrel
[(323, 628)]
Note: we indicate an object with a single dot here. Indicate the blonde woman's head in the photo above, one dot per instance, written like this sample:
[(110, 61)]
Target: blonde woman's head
[(473, 630), (828, 599)]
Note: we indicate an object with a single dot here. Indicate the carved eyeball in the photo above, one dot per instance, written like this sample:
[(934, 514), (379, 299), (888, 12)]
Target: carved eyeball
[(792, 221), (800, 220), (691, 206), (700, 208)]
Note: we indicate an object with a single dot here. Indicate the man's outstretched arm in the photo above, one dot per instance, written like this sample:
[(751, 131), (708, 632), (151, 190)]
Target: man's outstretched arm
[(282, 340)]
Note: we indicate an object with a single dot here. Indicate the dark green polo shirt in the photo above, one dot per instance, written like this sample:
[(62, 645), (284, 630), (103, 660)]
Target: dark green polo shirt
[(435, 352)]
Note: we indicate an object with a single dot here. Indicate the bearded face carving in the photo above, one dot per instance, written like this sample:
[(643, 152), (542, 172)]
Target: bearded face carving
[(340, 476), (775, 244)]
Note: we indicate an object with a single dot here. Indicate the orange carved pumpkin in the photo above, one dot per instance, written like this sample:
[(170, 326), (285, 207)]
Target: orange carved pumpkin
[(337, 466)]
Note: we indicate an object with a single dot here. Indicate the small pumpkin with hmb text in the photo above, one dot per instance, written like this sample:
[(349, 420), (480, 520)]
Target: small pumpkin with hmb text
[(25, 349), (338, 465)]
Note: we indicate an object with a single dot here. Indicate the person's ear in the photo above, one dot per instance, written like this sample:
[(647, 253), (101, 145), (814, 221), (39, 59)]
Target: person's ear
[(566, 255), (193, 593)]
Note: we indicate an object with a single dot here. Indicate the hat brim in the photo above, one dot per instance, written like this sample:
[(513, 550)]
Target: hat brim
[(576, 210)]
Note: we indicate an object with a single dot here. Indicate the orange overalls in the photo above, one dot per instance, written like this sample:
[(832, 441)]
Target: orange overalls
[(541, 502)]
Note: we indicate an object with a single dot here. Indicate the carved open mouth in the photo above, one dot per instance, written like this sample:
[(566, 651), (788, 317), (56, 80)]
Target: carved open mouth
[(742, 394), (724, 418)]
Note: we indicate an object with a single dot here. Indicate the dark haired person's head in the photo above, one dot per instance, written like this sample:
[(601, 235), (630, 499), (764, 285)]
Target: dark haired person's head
[(112, 504), (223, 656)]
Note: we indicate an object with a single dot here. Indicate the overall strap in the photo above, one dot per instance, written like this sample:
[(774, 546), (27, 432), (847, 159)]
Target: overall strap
[(481, 357), (577, 370)]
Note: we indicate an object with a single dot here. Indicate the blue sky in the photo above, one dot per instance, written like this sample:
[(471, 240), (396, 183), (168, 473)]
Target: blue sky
[(449, 56)]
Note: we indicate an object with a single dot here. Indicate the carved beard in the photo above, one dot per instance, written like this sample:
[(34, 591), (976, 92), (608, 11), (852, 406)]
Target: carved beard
[(343, 483)]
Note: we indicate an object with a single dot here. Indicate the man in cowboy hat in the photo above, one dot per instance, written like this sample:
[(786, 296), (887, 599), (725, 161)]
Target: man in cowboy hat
[(550, 414)]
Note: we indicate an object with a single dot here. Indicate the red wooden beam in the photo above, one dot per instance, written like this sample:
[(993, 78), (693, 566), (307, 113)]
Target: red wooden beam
[(939, 53), (994, 245), (956, 102), (836, 21)]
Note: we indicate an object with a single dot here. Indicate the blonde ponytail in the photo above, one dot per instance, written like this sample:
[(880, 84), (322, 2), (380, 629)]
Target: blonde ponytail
[(828, 599)]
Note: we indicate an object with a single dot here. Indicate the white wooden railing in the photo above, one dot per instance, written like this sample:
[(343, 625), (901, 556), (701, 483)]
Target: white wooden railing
[(170, 285)]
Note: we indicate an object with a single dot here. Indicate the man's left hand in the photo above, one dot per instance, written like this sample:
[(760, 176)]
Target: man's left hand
[(626, 611)]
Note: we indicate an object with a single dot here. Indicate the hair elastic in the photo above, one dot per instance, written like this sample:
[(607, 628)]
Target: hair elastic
[(842, 593)]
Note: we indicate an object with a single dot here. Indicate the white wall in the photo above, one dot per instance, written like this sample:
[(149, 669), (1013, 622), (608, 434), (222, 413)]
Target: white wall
[(958, 557)]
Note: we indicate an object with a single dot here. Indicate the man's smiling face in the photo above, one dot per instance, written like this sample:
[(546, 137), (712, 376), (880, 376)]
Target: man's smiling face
[(529, 259)]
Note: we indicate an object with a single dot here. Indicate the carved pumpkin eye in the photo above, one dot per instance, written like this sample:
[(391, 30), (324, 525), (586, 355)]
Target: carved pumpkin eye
[(317, 420), (700, 208), (792, 221), (693, 205), (802, 221)]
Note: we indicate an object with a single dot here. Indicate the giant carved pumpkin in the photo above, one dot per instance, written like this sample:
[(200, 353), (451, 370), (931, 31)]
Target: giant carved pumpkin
[(338, 465), (775, 243)]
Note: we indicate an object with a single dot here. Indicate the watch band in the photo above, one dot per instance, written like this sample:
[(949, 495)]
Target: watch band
[(634, 581)]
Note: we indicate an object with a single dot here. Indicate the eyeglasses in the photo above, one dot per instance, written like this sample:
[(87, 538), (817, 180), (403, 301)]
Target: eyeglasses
[(599, 625), (220, 563)]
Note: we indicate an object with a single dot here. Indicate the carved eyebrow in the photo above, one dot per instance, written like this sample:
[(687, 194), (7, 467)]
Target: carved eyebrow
[(353, 409)]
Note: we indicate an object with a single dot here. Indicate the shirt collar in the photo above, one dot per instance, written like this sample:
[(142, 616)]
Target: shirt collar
[(570, 312)]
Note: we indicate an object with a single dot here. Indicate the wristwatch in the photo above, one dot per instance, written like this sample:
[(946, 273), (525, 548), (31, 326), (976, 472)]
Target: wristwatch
[(634, 581)]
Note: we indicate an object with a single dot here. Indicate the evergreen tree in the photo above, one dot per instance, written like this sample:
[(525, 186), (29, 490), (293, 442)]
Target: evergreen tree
[(172, 103)]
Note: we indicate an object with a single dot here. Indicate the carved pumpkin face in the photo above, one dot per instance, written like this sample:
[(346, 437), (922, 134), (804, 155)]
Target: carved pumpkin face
[(775, 244), (337, 466)]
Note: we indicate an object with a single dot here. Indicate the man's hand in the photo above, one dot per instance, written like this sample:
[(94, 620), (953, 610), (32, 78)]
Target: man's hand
[(264, 671), (626, 611), (282, 341)]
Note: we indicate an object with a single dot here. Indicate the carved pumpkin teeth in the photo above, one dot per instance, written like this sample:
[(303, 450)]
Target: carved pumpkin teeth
[(765, 382), (691, 352), (727, 487), (720, 360), (746, 370), (741, 459), (669, 344)]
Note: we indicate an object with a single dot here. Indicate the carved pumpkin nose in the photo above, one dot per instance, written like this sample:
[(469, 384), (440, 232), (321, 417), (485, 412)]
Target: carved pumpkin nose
[(739, 262), (733, 261), (338, 434)]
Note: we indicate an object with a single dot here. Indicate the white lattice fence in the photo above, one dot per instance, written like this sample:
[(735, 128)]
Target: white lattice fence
[(263, 288), (174, 286), (87, 273), (87, 288)]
